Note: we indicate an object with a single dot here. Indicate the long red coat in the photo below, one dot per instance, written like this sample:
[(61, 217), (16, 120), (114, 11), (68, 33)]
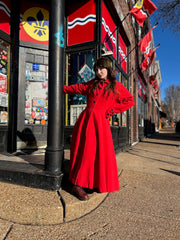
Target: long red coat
[(92, 156)]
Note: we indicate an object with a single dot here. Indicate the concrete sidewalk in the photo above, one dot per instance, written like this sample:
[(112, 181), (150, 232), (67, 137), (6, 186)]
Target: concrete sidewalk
[(147, 207)]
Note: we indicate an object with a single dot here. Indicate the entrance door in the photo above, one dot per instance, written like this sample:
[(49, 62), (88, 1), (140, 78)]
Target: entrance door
[(32, 98)]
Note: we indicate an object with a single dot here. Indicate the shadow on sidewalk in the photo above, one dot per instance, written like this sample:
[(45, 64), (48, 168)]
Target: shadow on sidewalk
[(162, 143), (173, 172), (132, 152), (167, 134)]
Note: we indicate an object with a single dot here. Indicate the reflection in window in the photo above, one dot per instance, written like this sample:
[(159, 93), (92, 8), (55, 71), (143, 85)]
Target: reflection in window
[(79, 70), (141, 112), (4, 60)]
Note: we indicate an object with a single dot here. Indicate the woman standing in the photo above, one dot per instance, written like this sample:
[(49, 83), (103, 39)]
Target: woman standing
[(92, 156)]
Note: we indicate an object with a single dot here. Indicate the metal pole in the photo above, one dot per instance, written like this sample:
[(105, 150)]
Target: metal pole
[(55, 139), (13, 84)]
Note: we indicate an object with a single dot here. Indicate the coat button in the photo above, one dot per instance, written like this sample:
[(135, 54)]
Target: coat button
[(94, 101), (96, 94)]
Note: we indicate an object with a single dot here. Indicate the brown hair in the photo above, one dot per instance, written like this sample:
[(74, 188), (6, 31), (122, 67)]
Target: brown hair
[(104, 62)]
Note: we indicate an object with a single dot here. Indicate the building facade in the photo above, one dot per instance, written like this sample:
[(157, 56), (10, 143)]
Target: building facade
[(91, 29)]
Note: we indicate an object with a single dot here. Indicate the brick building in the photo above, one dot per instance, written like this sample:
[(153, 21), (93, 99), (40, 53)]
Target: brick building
[(88, 27)]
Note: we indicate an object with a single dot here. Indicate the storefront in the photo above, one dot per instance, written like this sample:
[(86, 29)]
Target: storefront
[(4, 74), (89, 27)]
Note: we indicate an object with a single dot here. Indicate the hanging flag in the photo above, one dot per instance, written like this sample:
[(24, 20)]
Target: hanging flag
[(152, 78), (156, 91), (148, 60), (155, 86), (145, 43), (142, 9)]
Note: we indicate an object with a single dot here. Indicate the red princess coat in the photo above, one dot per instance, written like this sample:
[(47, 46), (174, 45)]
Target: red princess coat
[(92, 156)]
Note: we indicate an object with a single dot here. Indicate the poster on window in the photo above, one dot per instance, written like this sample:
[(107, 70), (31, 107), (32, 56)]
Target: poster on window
[(85, 74), (3, 99), (3, 117), (75, 111), (108, 26), (3, 83)]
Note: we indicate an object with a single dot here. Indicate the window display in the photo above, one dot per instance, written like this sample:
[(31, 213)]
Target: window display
[(4, 57), (141, 109), (36, 95), (80, 69)]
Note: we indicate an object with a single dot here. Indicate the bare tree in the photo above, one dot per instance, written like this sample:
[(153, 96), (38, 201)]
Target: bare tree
[(171, 103), (168, 14)]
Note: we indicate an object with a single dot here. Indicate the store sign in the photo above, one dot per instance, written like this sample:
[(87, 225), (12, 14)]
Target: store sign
[(141, 88), (34, 25), (5, 13), (108, 26), (122, 53), (81, 22)]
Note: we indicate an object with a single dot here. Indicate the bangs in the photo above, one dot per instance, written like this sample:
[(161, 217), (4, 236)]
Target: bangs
[(102, 63)]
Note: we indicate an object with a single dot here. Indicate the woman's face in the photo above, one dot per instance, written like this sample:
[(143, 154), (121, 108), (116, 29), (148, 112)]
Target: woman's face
[(101, 73)]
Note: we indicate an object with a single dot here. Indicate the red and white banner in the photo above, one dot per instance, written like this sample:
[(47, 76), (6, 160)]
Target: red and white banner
[(142, 9), (81, 22), (148, 60), (5, 13), (122, 51), (141, 88), (108, 26), (152, 78), (145, 43)]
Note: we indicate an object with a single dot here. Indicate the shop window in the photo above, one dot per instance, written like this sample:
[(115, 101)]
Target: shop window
[(122, 54), (108, 34), (79, 70), (141, 112), (124, 114), (116, 118), (36, 94), (141, 102), (4, 76)]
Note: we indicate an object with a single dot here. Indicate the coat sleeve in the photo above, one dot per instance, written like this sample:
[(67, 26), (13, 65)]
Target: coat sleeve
[(77, 88), (123, 101)]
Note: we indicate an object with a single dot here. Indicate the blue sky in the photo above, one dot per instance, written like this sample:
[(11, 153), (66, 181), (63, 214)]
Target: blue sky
[(169, 56)]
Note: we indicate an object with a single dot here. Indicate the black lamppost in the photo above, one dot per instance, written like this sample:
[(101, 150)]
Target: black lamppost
[(55, 139)]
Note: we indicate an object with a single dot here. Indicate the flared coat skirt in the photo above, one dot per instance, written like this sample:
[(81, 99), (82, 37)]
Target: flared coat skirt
[(92, 160)]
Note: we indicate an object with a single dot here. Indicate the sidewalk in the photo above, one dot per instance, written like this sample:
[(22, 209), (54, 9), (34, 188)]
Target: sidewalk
[(147, 207)]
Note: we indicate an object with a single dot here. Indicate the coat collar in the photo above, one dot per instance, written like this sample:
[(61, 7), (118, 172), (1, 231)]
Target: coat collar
[(103, 81)]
